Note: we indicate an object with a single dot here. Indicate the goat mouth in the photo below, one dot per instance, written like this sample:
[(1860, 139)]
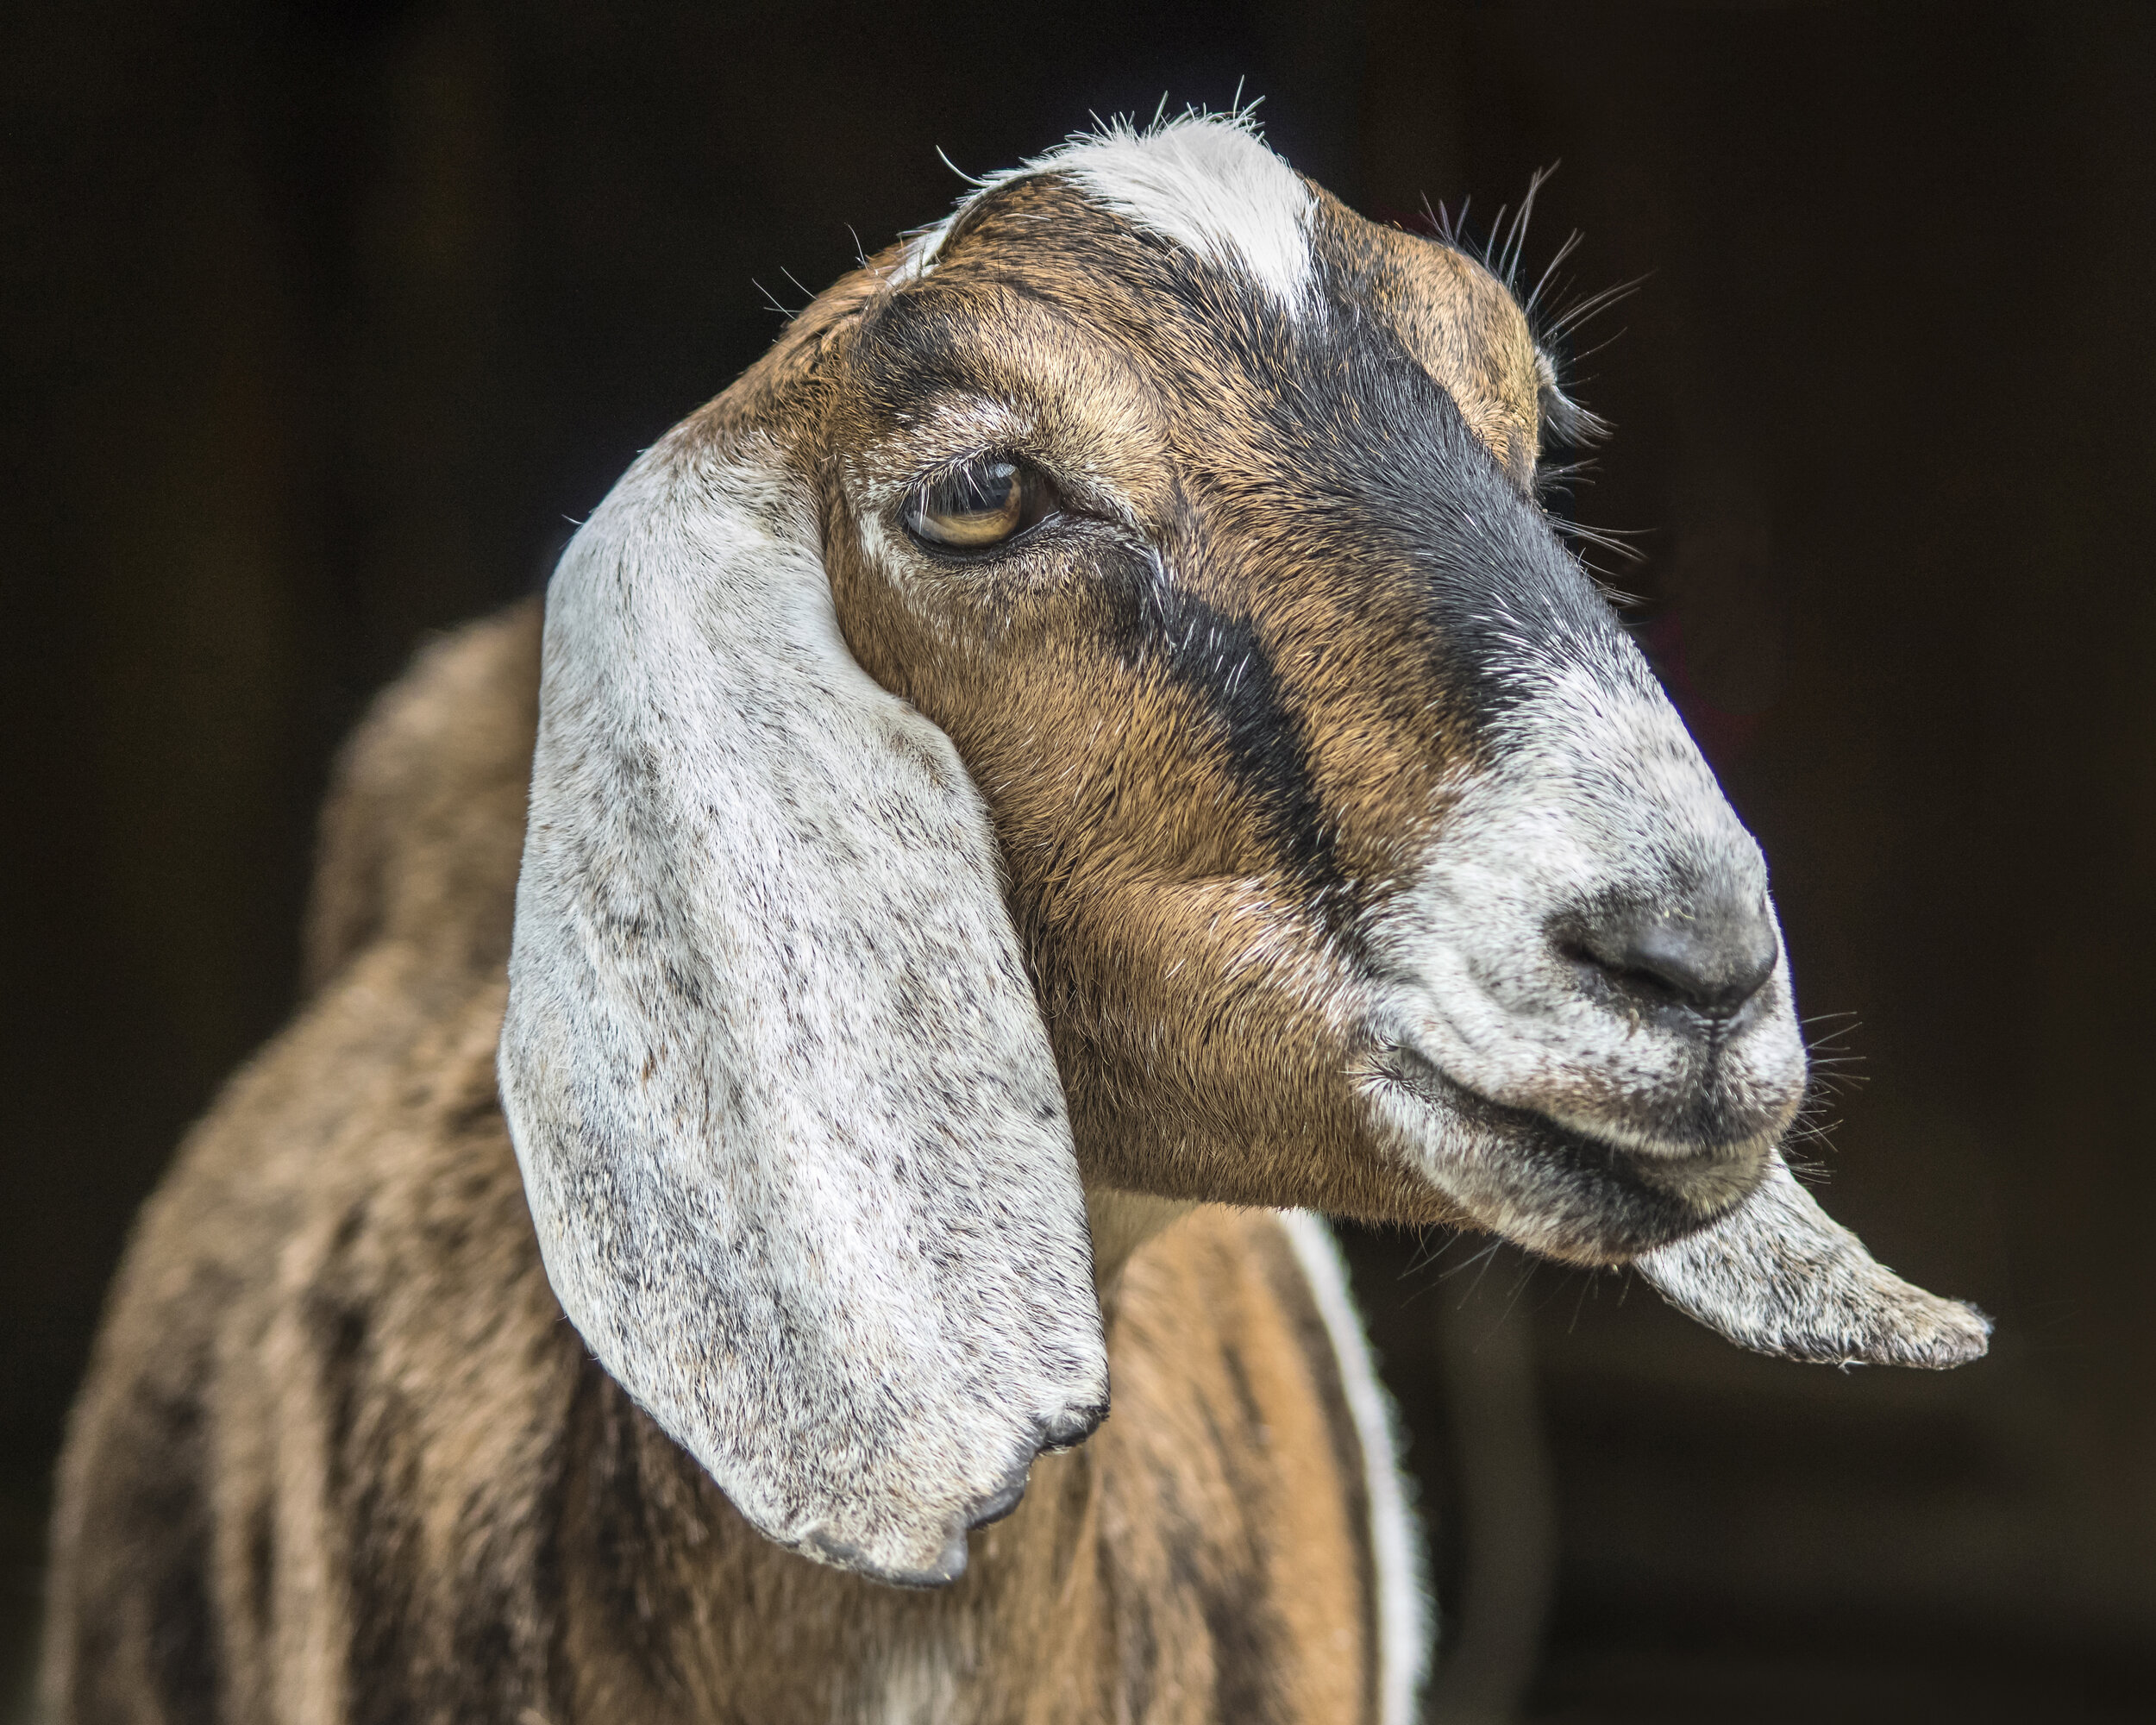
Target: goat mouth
[(1555, 1189)]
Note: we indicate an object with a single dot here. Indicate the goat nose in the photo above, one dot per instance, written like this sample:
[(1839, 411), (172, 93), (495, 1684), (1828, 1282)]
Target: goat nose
[(1712, 957)]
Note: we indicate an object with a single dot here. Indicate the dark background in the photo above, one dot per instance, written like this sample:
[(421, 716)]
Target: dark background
[(320, 322)]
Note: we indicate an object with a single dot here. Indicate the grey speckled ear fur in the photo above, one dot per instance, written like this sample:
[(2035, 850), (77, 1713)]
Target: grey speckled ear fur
[(790, 1128), (1780, 1276)]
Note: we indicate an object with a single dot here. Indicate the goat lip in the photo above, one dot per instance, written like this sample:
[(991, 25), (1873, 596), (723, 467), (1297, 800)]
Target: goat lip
[(1605, 1201), (1417, 1072)]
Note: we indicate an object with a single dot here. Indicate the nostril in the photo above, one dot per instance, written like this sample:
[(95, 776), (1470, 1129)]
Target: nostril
[(1712, 960)]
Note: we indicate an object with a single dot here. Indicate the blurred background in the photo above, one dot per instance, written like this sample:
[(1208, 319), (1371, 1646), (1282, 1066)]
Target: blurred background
[(321, 323)]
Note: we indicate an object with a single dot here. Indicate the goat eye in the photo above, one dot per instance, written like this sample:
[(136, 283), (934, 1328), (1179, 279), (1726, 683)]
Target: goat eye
[(977, 506)]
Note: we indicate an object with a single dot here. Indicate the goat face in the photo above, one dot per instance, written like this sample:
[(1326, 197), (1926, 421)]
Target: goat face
[(1100, 698), (1360, 861)]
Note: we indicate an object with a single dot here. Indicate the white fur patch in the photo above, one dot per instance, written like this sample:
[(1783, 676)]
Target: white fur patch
[(792, 1134), (1403, 1589), (1204, 180)]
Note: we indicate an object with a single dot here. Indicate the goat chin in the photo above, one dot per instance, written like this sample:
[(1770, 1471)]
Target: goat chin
[(1092, 730)]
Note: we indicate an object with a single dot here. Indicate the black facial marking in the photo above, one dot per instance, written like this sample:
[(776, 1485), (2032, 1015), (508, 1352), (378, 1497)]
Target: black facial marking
[(1378, 469), (913, 348), (1222, 662), (1394, 466)]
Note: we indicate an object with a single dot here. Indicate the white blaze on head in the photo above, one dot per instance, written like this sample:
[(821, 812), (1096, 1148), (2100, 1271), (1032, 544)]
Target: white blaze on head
[(1206, 181)]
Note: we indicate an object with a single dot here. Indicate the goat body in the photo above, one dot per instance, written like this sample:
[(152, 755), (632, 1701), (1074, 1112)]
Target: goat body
[(1095, 727), (342, 1459)]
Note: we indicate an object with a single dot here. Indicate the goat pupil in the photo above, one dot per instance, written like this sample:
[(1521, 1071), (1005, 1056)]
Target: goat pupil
[(986, 491), (973, 509)]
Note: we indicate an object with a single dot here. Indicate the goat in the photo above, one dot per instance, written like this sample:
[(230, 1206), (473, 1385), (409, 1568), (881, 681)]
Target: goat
[(1089, 742)]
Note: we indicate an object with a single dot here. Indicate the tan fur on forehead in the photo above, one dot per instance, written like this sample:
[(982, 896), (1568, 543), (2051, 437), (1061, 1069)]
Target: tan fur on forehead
[(1032, 374), (1209, 183), (1456, 318)]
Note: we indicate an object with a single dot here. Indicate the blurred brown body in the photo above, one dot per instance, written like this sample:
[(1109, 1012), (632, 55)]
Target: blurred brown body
[(341, 1458)]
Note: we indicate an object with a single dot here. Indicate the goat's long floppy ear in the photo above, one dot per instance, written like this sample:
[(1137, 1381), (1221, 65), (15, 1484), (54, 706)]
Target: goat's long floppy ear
[(1780, 1276), (790, 1128)]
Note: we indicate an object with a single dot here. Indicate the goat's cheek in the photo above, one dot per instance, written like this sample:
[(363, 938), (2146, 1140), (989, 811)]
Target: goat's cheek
[(875, 625)]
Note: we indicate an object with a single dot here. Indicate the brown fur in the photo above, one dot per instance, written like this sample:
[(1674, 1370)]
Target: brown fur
[(342, 1458), (339, 1458), (1144, 873)]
